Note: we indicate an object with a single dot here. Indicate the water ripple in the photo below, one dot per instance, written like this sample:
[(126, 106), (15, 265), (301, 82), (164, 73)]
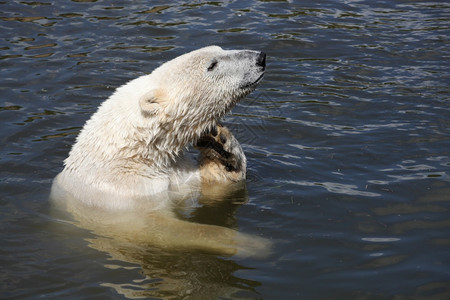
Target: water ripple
[(347, 140), (334, 187)]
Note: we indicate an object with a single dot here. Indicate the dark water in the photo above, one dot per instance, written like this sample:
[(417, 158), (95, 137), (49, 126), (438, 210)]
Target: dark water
[(347, 138)]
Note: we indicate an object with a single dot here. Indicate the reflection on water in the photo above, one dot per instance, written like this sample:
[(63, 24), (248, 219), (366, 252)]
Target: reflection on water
[(346, 139), (175, 275), (164, 272)]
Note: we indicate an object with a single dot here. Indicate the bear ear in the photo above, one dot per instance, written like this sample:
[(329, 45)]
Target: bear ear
[(149, 103)]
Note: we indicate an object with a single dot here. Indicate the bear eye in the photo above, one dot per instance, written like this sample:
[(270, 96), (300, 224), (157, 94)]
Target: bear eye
[(212, 65)]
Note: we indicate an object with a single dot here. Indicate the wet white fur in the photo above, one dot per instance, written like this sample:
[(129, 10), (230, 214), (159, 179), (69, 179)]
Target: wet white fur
[(132, 147)]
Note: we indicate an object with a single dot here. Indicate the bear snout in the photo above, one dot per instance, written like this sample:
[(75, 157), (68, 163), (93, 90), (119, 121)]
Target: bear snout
[(261, 60)]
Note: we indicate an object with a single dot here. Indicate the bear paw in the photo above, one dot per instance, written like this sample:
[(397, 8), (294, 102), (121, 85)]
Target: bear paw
[(221, 156)]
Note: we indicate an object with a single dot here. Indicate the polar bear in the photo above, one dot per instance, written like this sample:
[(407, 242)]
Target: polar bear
[(129, 159)]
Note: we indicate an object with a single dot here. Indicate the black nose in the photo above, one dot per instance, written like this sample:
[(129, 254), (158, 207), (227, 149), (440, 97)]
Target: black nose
[(261, 60)]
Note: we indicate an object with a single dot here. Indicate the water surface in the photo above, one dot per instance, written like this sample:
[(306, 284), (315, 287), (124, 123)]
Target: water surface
[(347, 140)]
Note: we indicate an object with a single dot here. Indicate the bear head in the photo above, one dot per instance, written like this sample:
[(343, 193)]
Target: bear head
[(194, 90)]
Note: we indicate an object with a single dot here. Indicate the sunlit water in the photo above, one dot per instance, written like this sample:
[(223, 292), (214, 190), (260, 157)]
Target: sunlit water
[(347, 140)]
